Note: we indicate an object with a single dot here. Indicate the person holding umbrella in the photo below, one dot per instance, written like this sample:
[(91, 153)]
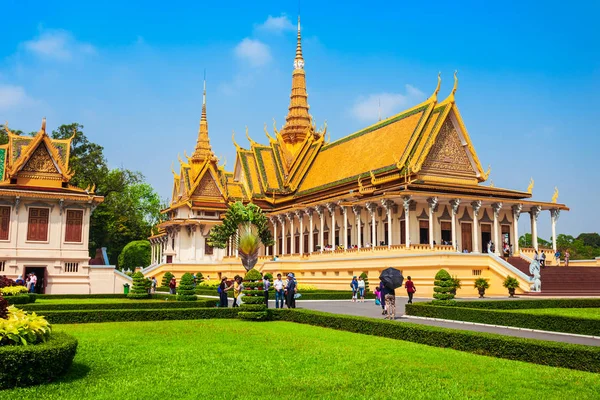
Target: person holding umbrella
[(392, 279)]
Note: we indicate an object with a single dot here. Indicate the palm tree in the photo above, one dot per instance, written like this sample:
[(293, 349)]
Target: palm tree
[(248, 227)]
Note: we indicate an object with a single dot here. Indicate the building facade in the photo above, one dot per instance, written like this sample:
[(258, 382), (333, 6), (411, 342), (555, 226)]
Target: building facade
[(45, 221), (404, 188)]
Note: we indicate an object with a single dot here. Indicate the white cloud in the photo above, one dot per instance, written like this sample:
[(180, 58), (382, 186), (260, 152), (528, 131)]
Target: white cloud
[(276, 24), (368, 108), (254, 52), (58, 45), (12, 96)]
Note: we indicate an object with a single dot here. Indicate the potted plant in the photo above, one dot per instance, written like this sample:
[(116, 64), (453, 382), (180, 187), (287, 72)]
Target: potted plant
[(456, 284), (511, 284), (481, 284)]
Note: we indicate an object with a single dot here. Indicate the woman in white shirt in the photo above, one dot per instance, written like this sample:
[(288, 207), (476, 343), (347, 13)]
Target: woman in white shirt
[(361, 289)]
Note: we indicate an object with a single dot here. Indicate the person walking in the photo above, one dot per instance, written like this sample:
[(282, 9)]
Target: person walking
[(536, 256), (237, 290), (154, 284), (266, 286), (223, 289), (390, 302), (557, 258), (377, 293), (354, 287), (290, 291), (410, 289), (33, 282), (361, 289), (543, 259), (279, 291), (567, 255), (172, 285), (382, 296)]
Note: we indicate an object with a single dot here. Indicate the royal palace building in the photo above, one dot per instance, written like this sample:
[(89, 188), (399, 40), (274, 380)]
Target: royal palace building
[(408, 192)]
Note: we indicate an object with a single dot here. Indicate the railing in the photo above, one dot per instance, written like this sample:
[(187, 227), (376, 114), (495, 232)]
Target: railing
[(420, 247)]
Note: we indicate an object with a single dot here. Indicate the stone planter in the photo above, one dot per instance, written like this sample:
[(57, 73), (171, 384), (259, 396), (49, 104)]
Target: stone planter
[(511, 292), (481, 292)]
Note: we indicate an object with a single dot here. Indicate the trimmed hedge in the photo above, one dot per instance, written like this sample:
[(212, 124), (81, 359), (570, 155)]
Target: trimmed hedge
[(120, 306), (555, 323), (93, 316), (555, 354), (21, 299), (185, 291), (80, 296), (40, 363), (139, 289), (526, 304), (324, 295)]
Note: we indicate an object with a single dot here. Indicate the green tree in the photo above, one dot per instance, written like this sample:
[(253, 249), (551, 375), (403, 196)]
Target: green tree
[(185, 291), (4, 134), (139, 289), (253, 229), (589, 239), (135, 254), (443, 286), (166, 279), (526, 241)]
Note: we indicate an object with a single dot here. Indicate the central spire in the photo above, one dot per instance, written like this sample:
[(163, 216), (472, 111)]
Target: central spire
[(203, 149), (298, 122)]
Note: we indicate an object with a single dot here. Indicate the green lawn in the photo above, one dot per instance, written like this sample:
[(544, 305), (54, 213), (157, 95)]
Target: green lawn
[(211, 359), (591, 313)]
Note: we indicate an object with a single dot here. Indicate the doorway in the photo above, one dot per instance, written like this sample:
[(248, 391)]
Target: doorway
[(446, 232), (402, 232), (40, 273), (486, 236), (466, 236), (424, 232)]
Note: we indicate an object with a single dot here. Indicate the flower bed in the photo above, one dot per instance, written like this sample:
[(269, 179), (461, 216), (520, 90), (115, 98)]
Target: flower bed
[(40, 363), (13, 290), (21, 328)]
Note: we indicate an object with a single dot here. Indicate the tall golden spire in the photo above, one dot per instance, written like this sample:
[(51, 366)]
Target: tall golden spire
[(203, 149), (298, 121)]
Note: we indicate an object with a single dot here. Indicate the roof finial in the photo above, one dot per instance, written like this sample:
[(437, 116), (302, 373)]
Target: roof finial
[(433, 97), (455, 82), (299, 60), (43, 129), (203, 117)]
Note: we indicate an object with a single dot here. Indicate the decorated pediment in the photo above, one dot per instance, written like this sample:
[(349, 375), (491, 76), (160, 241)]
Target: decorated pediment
[(207, 187), (40, 161)]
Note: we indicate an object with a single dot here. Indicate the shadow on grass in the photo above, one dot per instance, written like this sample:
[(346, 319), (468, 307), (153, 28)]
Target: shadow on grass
[(76, 372)]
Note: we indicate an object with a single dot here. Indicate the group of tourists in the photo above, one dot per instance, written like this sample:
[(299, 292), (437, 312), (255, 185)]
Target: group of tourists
[(566, 258), (541, 258), (29, 282), (285, 290), (384, 296), (358, 289)]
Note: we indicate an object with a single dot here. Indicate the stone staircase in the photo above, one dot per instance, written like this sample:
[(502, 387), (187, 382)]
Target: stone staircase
[(564, 281)]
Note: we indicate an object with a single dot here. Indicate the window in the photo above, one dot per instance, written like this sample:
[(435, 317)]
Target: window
[(2, 266), (37, 228), (4, 222), (476, 272), (74, 226), (71, 267), (208, 249)]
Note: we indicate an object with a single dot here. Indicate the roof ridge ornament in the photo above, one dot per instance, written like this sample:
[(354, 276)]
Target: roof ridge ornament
[(271, 139), (433, 97), (252, 142), (455, 86), (555, 195), (530, 187)]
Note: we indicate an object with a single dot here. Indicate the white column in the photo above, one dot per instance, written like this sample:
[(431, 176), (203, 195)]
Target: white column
[(496, 207), (345, 210), (193, 228), (311, 240), (237, 243), (476, 206), (516, 209), (372, 207), (554, 214), (357, 209), (273, 220), (283, 238), (153, 248), (177, 243), (406, 205), (388, 205), (534, 213), (301, 218), (432, 201), (290, 217), (320, 213), (331, 207), (454, 203)]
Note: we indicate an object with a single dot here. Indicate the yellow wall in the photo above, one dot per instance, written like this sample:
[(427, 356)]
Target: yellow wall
[(335, 270)]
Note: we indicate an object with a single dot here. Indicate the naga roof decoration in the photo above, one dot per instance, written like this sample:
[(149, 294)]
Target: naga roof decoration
[(426, 147)]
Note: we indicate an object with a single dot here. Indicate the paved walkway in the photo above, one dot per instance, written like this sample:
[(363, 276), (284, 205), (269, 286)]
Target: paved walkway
[(368, 309)]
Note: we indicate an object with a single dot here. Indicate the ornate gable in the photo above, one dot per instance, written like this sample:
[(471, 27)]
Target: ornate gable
[(207, 187), (448, 154), (40, 161)]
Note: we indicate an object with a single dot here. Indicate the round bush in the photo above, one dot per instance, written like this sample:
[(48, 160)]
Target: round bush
[(139, 289), (185, 291), (166, 279), (40, 363), (254, 307), (443, 286)]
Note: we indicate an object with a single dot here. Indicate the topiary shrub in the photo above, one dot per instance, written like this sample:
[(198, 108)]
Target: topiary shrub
[(185, 291), (166, 279), (135, 254), (365, 278), (199, 278), (253, 308), (443, 286), (3, 307), (139, 290)]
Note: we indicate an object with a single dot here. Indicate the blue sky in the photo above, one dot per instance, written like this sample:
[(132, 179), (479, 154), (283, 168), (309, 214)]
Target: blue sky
[(131, 73)]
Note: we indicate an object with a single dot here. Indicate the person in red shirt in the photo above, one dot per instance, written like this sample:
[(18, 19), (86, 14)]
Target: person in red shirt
[(410, 289)]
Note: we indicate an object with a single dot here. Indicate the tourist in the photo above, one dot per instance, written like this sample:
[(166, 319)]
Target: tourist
[(172, 285), (410, 289), (154, 284), (279, 291), (290, 291), (511, 250), (557, 258), (266, 285), (354, 287), (543, 259), (33, 283), (20, 281), (361, 289), (382, 296), (377, 293), (390, 302), (489, 247), (567, 255), (223, 289), (536, 256), (28, 282), (237, 290)]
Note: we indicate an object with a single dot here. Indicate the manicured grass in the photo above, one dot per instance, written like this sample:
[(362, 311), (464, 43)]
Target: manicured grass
[(235, 359), (591, 313)]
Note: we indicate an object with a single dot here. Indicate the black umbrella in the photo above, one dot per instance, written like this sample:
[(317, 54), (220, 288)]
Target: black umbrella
[(391, 278)]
